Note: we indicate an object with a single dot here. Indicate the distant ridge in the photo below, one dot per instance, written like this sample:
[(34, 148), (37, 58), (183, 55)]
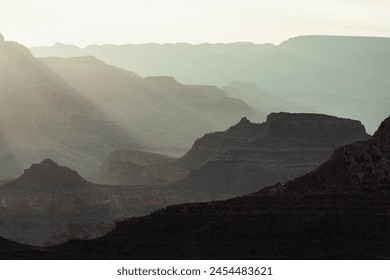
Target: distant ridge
[(338, 75)]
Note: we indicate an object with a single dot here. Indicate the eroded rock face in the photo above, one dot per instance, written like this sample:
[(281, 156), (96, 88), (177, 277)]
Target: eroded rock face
[(338, 211), (291, 145)]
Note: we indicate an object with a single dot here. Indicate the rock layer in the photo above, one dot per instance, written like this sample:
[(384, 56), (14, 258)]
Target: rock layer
[(290, 146)]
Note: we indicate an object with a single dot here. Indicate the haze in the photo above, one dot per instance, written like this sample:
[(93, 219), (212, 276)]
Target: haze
[(84, 22)]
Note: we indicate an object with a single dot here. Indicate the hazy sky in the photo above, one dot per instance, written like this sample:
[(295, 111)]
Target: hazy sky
[(83, 22)]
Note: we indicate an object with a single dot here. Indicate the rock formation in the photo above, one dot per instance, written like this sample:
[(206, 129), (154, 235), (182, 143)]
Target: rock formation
[(204, 149), (245, 157), (128, 167), (287, 146), (50, 204), (338, 211)]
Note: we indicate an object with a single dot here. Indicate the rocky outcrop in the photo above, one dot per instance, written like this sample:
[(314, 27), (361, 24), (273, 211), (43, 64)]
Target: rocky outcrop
[(45, 197), (290, 146), (338, 211), (50, 204), (129, 167)]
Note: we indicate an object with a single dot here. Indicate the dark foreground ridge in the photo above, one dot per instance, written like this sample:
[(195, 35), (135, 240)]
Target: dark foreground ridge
[(338, 211)]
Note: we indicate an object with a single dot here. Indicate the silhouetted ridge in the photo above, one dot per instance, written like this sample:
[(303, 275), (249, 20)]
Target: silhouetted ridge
[(49, 174), (1, 38), (384, 130)]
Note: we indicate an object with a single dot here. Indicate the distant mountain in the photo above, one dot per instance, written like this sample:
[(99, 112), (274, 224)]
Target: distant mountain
[(336, 75), (78, 110), (41, 115), (262, 102), (338, 211)]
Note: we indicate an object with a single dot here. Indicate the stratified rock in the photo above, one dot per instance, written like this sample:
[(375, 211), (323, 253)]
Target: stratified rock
[(289, 146)]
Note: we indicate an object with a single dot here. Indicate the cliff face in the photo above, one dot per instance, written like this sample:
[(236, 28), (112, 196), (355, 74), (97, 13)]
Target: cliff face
[(338, 211), (290, 146)]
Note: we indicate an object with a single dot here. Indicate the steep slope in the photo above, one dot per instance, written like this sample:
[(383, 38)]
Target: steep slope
[(337, 211), (336, 75), (291, 145)]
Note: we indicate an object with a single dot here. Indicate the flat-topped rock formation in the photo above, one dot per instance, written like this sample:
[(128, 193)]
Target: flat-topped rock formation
[(338, 211), (290, 146)]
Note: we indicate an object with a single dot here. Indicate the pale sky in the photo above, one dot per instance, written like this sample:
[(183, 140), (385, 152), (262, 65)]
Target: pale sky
[(84, 22)]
